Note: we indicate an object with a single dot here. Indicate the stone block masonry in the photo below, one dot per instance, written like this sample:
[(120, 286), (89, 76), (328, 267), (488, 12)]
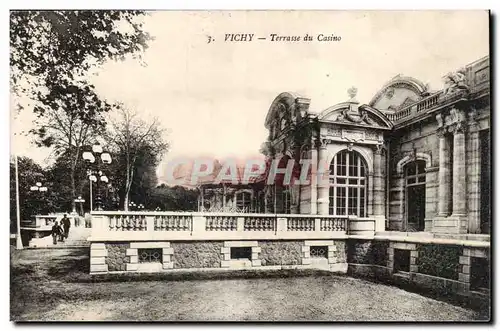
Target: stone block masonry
[(117, 258), (187, 255), (281, 252)]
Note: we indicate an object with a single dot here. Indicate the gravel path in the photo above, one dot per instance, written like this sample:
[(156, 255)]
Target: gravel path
[(53, 285)]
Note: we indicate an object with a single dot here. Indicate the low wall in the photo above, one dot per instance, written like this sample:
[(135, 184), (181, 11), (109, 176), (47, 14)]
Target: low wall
[(445, 268), (169, 242), (162, 256)]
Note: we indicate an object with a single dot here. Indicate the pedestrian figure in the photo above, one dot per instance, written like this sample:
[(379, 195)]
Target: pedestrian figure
[(66, 225), (56, 232)]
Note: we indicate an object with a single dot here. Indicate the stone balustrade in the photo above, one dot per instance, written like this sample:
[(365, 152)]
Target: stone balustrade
[(147, 226), (416, 108)]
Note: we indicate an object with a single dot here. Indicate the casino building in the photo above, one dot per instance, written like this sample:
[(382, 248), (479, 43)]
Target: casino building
[(410, 158)]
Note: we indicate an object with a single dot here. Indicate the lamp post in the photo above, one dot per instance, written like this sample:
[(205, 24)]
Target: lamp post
[(19, 242), (95, 159), (132, 205), (38, 188), (140, 207)]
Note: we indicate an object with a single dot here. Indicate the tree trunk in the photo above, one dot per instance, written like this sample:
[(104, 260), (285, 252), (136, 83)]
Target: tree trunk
[(73, 187), (128, 186)]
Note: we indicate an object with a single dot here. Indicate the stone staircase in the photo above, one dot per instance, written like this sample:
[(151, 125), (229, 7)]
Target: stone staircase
[(77, 238)]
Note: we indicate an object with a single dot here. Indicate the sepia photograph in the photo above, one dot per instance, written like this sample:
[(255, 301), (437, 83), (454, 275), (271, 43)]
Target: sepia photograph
[(250, 165)]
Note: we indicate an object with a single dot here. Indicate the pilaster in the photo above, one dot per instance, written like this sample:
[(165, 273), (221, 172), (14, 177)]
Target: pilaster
[(473, 176), (322, 176), (444, 175)]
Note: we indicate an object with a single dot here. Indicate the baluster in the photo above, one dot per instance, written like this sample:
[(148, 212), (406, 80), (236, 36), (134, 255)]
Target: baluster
[(111, 224), (119, 223)]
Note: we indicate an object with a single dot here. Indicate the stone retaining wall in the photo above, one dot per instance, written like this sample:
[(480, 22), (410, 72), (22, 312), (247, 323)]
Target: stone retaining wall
[(281, 252), (442, 267), (188, 255)]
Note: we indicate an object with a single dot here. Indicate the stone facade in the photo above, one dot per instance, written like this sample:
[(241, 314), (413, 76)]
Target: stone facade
[(368, 252), (117, 258), (405, 123), (439, 260), (197, 254), (281, 252)]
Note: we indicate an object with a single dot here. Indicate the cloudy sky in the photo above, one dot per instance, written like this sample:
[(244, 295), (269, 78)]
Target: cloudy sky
[(213, 97)]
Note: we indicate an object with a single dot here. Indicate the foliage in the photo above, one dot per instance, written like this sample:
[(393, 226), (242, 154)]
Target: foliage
[(52, 53), (49, 44), (175, 198), (31, 202), (138, 146)]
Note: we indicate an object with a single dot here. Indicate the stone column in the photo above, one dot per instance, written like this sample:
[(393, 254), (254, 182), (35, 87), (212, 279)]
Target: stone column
[(323, 185), (444, 175), (473, 178), (459, 172), (314, 181), (378, 192)]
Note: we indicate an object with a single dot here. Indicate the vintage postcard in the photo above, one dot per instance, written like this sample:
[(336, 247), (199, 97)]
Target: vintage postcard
[(250, 165)]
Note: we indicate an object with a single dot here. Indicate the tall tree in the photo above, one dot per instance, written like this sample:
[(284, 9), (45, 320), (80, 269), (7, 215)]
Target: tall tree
[(134, 142), (52, 53)]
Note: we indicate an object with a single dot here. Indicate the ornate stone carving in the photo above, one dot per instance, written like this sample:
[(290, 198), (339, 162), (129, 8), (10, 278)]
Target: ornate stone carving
[(472, 121), (350, 146), (353, 135), (323, 142), (457, 128), (372, 135), (352, 94), (378, 149), (334, 132), (439, 119), (440, 132), (455, 82), (389, 93)]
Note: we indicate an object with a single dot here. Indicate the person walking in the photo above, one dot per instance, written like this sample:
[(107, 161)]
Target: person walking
[(56, 232), (66, 223)]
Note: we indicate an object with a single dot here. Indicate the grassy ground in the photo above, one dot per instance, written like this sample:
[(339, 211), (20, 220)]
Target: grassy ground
[(50, 285)]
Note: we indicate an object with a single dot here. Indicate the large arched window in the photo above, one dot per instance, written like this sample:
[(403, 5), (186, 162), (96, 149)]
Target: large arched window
[(348, 181)]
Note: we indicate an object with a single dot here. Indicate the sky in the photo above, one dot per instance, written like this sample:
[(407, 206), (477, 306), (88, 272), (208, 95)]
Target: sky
[(213, 97)]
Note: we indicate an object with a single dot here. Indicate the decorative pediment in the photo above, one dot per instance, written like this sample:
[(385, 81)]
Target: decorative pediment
[(350, 114), (398, 93), (286, 110)]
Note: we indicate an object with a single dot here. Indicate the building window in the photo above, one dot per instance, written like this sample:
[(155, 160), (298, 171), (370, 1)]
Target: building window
[(319, 252), (415, 195), (244, 201), (241, 253), (150, 255), (402, 260), (348, 180)]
